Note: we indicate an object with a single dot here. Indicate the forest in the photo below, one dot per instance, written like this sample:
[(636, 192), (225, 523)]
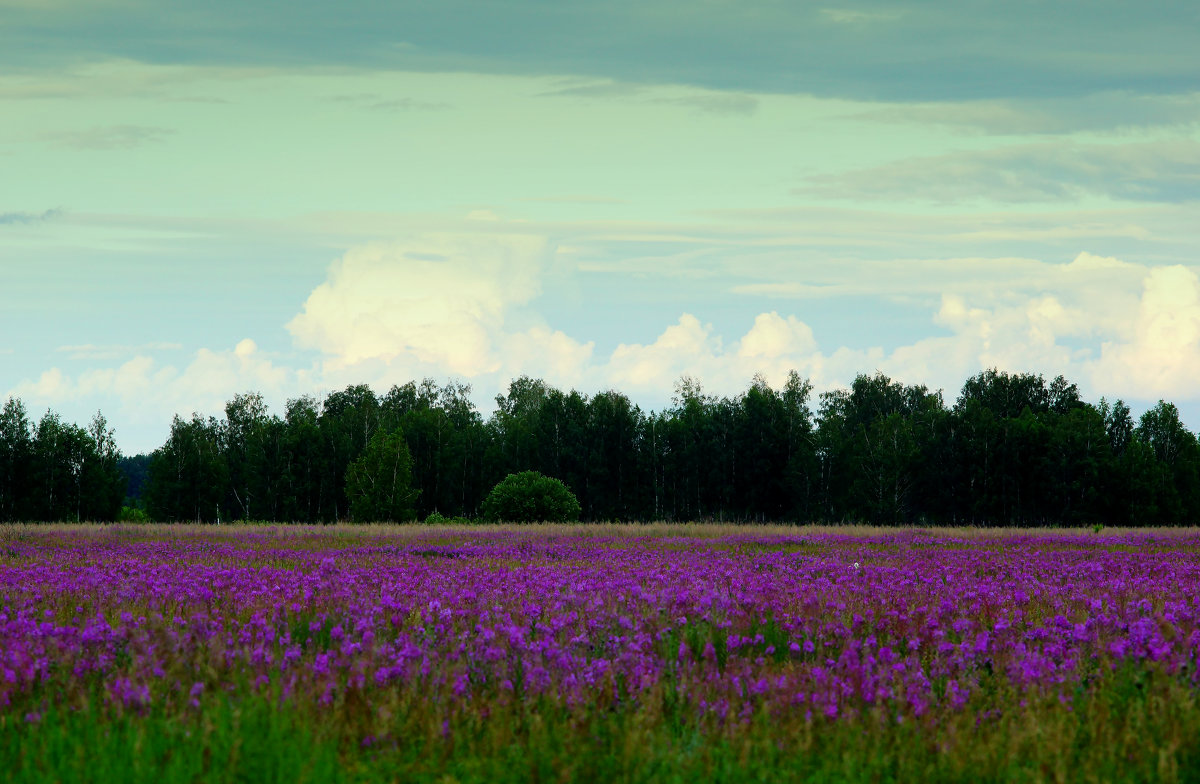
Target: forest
[(1012, 449)]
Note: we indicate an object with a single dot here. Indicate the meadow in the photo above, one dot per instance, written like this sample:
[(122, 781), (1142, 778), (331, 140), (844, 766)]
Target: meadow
[(598, 653)]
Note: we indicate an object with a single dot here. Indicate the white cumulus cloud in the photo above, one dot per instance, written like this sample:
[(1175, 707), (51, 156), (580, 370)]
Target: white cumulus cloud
[(147, 394), (461, 306), (465, 306), (438, 302), (1161, 356)]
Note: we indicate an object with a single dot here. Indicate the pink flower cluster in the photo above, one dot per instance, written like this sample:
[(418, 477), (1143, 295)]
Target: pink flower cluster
[(815, 623)]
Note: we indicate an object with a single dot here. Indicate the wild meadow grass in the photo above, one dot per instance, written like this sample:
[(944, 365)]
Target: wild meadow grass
[(598, 653)]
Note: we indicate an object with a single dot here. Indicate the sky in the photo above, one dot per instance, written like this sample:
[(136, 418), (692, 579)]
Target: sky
[(203, 199)]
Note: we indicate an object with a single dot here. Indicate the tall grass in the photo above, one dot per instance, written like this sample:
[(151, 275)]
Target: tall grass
[(1138, 725)]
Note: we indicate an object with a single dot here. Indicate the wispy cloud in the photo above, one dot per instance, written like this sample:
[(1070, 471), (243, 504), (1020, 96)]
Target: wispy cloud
[(718, 103), (1143, 172), (125, 79), (930, 278), (575, 198), (381, 103), (846, 16), (352, 98), (593, 88), (1103, 112), (109, 137), (113, 351), (408, 105), (17, 218)]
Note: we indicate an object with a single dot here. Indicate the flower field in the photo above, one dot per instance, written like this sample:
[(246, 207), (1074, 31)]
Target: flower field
[(597, 653)]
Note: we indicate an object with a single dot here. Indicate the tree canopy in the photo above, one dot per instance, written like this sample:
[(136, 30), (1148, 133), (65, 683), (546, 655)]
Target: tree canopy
[(531, 497), (379, 481), (55, 470), (1012, 449)]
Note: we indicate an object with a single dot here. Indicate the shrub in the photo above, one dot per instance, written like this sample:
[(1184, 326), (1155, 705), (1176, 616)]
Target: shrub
[(437, 518), (530, 497), (132, 514)]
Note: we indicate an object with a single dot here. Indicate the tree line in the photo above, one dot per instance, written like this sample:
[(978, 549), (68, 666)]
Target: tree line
[(55, 470), (1012, 449)]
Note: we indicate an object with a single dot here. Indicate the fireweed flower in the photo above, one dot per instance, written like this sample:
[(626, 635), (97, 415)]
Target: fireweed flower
[(738, 628)]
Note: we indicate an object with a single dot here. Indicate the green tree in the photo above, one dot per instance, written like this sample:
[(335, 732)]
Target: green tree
[(102, 482), (60, 452), (136, 470), (760, 447), (250, 436), (349, 419), (301, 485), (1077, 464), (16, 458), (515, 428), (874, 440), (447, 440), (188, 474), (462, 460), (690, 450), (561, 429), (58, 470), (1004, 424), (1176, 472), (529, 497), (803, 469), (379, 482), (615, 487), (1118, 425)]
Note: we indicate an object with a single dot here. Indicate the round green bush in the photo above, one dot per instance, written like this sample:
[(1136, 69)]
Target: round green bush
[(530, 497), (132, 514)]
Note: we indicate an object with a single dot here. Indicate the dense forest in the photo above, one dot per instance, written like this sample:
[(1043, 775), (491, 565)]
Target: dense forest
[(1013, 449), (55, 470)]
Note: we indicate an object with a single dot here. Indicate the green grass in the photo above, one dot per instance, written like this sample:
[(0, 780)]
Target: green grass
[(1141, 726), (253, 742)]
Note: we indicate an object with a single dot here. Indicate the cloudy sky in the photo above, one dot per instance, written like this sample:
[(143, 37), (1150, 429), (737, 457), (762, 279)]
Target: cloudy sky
[(199, 199)]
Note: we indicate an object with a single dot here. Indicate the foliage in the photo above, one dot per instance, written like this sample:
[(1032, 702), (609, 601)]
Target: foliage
[(379, 481), (1011, 449), (56, 470), (16, 460), (136, 470), (529, 497), (189, 473), (132, 514)]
